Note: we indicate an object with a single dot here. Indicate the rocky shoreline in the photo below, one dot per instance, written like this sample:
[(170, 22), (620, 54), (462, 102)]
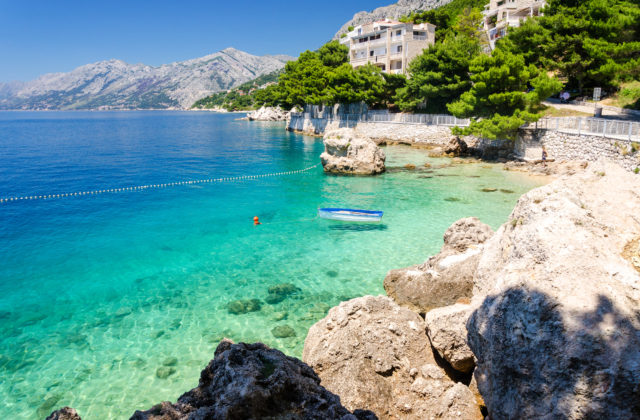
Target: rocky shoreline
[(540, 319)]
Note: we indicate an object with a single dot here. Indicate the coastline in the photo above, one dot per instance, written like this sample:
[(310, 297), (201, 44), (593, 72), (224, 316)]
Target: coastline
[(149, 309)]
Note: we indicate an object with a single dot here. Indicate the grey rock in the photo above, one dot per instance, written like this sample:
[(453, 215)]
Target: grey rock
[(447, 331), (556, 332), (375, 354), (252, 381), (114, 84), (456, 146), (445, 278), (268, 114), (65, 413), (345, 153), (394, 11)]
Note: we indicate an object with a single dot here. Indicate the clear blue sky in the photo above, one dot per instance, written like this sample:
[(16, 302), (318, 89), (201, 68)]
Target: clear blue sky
[(45, 36)]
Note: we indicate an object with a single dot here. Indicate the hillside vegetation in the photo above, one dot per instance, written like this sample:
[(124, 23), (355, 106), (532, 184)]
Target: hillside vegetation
[(575, 45), (241, 98)]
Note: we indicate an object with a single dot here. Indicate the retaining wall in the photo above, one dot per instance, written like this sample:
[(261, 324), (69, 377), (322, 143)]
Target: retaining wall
[(564, 146)]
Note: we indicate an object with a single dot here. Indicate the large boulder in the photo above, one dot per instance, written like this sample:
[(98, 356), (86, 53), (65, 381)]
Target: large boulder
[(344, 153), (445, 278), (455, 146), (447, 331), (252, 381), (268, 114), (375, 354), (556, 332)]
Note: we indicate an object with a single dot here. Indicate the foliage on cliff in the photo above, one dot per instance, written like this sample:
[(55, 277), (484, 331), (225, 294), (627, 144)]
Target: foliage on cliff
[(244, 97)]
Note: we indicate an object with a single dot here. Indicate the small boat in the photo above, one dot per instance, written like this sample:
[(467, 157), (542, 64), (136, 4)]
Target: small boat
[(351, 215)]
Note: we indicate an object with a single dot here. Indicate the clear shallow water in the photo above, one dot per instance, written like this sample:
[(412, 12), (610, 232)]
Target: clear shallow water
[(97, 293)]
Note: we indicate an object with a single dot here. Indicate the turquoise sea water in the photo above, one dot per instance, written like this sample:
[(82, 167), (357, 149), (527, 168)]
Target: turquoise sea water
[(102, 297)]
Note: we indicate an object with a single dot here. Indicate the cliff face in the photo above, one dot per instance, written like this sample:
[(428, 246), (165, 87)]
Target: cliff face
[(393, 11), (114, 84)]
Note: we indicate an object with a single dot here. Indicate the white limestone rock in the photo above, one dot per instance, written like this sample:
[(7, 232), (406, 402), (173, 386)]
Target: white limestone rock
[(556, 333), (347, 154), (268, 114), (445, 278), (447, 331), (375, 354)]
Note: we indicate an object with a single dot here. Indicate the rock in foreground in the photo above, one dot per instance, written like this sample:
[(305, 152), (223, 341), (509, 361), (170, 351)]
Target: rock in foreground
[(252, 381), (346, 154), (376, 354), (447, 331), (557, 329), (445, 278)]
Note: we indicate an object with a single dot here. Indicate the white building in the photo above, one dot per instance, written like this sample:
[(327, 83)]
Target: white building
[(502, 14), (387, 44)]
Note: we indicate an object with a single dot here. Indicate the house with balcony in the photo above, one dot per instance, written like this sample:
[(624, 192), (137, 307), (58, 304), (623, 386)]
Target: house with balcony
[(388, 44), (499, 15)]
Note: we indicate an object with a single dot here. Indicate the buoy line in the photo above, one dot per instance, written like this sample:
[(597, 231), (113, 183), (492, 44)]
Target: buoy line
[(146, 187)]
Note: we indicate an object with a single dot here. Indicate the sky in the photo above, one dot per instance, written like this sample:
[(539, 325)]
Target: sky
[(38, 37)]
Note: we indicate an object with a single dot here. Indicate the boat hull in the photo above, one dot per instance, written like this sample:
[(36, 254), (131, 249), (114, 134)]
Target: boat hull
[(350, 215)]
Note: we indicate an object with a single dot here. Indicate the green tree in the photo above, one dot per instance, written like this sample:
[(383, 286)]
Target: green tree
[(334, 54), (364, 84), (504, 95), (304, 81), (589, 42), (439, 75)]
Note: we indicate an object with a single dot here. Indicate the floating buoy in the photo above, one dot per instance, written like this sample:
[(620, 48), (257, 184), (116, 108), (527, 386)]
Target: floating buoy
[(256, 221)]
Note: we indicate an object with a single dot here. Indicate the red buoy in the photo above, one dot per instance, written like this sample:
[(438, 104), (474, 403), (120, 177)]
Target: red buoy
[(256, 221)]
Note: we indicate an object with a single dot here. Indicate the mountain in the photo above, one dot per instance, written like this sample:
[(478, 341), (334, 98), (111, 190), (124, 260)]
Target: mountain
[(114, 84), (394, 11)]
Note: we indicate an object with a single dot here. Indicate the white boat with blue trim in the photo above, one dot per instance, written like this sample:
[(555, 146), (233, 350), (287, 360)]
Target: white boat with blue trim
[(351, 215)]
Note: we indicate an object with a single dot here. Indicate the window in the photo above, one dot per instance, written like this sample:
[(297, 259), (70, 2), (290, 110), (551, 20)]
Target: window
[(399, 48), (399, 32), (371, 53)]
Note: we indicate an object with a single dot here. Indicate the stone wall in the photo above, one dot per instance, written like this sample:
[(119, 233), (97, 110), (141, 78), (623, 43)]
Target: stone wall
[(380, 132), (564, 146), (404, 133)]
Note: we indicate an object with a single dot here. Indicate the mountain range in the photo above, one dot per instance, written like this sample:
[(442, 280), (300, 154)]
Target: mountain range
[(114, 84)]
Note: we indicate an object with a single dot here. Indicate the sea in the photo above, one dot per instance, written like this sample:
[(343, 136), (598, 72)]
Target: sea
[(113, 302)]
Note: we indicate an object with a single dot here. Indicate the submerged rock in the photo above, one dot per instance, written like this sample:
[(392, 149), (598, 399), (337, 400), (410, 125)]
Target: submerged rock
[(170, 361), (375, 354), (280, 292), (446, 277), (244, 306), (556, 333), (252, 381), (163, 372), (346, 154), (283, 331)]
